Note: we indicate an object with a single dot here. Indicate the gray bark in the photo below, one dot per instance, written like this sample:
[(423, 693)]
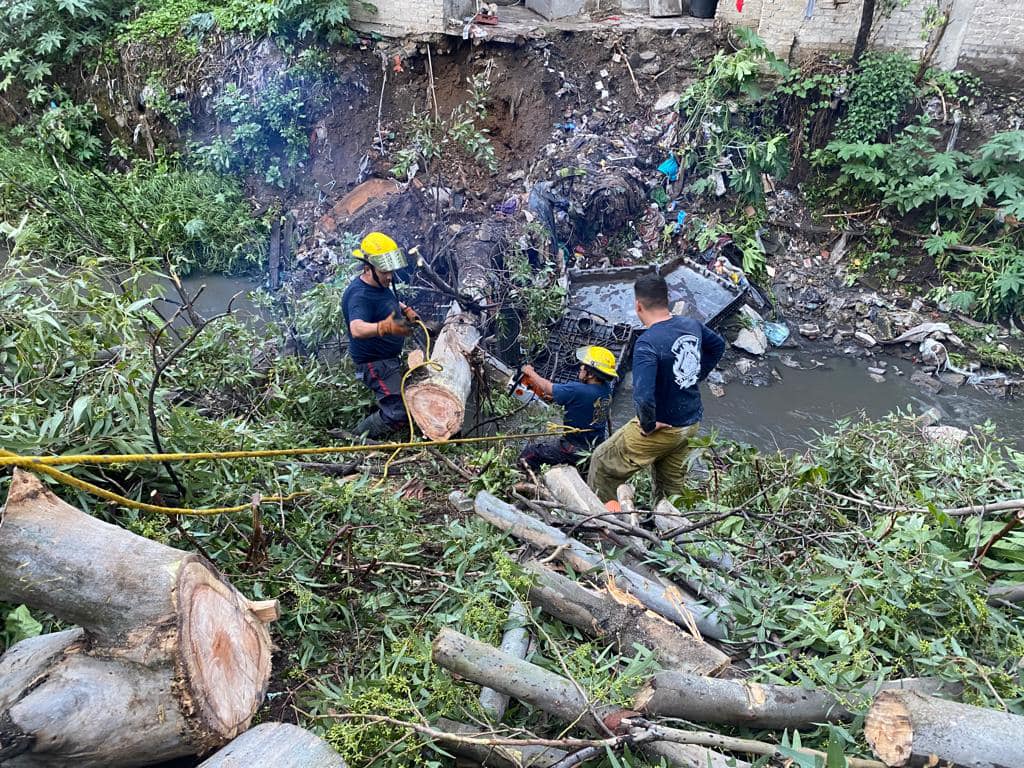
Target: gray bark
[(170, 659), (665, 601), (515, 642), (905, 728), (276, 744), (485, 665), (599, 614), (526, 756), (710, 700)]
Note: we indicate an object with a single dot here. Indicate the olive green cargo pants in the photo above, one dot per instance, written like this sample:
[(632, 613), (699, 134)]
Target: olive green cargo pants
[(629, 450)]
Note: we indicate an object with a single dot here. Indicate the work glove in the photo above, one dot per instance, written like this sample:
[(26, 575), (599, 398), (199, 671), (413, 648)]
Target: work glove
[(530, 381), (410, 314), (393, 326)]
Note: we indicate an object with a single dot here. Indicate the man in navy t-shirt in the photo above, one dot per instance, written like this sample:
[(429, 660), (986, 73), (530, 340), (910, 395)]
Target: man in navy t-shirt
[(586, 402), (670, 359), (377, 325)]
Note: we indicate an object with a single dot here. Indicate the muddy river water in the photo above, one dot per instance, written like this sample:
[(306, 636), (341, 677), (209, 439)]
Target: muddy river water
[(785, 414), (788, 413)]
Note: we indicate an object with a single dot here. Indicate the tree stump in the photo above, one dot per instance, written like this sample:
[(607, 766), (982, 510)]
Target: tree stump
[(169, 658)]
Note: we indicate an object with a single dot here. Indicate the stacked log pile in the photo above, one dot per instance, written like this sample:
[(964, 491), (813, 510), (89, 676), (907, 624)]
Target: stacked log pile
[(621, 597), (166, 658)]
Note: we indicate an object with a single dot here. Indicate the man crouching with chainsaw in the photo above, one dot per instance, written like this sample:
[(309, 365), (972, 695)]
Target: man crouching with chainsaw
[(377, 325)]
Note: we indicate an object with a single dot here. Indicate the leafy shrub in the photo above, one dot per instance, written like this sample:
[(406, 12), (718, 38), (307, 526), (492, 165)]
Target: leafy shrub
[(715, 136), (38, 37), (879, 94), (160, 214), (958, 194), (430, 138), (269, 130)]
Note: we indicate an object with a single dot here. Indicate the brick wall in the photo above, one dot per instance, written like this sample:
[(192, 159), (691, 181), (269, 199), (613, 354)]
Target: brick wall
[(396, 18), (982, 34)]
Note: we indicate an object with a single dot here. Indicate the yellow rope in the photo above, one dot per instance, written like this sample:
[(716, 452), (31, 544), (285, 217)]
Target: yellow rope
[(124, 501), (46, 464)]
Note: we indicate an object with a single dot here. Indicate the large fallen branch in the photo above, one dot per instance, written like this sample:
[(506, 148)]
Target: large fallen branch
[(669, 602), (436, 399), (909, 729), (485, 665), (276, 744), (711, 700), (169, 658), (497, 755), (626, 624), (516, 642)]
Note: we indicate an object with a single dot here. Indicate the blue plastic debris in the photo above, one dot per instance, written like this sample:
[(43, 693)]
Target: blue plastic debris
[(681, 219), (670, 168), (777, 333)]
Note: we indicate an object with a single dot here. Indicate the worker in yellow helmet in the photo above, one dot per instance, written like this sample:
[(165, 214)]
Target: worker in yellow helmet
[(378, 324), (587, 403)]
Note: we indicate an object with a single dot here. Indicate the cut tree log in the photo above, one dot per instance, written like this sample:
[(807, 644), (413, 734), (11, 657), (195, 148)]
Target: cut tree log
[(711, 700), (280, 745), (566, 485), (486, 665), (622, 620), (498, 756), (437, 398), (170, 659), (669, 602), (515, 642), (905, 728)]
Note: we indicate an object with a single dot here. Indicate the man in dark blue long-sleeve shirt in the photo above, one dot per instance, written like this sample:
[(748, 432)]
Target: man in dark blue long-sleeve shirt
[(670, 359)]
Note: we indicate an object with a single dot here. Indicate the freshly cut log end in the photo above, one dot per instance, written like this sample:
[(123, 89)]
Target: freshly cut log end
[(224, 650), (438, 412), (169, 659), (276, 744), (906, 728), (889, 730), (436, 395)]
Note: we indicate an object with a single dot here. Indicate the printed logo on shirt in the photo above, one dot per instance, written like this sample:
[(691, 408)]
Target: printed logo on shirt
[(601, 407), (686, 368)]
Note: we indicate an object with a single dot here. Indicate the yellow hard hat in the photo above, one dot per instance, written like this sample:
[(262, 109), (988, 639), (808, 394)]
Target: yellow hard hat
[(598, 358), (381, 251)]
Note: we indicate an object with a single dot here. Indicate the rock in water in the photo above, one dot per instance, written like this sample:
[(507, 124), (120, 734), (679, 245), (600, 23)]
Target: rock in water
[(752, 341)]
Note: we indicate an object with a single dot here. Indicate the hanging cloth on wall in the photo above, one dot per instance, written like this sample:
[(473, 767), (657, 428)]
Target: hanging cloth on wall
[(810, 9), (739, 6)]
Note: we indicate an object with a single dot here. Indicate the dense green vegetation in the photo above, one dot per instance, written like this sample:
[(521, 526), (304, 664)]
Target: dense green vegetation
[(844, 556)]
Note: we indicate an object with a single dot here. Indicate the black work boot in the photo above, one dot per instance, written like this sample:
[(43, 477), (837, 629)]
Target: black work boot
[(373, 427)]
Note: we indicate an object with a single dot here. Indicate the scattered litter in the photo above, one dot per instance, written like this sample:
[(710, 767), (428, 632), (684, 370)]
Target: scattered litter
[(777, 333)]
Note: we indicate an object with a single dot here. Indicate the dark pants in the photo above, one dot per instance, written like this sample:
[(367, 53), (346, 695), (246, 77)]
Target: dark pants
[(551, 451), (384, 378)]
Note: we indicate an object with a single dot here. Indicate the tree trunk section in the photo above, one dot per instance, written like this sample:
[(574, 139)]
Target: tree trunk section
[(437, 400), (485, 665), (905, 728), (280, 745), (709, 700), (526, 756), (600, 614), (515, 642), (867, 19), (169, 657), (665, 601)]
